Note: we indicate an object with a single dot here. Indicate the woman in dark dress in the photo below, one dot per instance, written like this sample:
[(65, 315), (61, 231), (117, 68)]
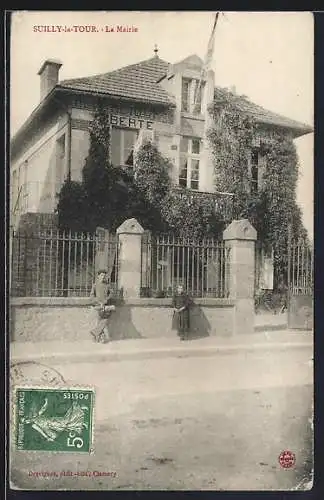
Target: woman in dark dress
[(181, 316)]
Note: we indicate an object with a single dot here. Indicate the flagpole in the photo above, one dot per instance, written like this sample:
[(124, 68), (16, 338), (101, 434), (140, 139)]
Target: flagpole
[(208, 58), (207, 179)]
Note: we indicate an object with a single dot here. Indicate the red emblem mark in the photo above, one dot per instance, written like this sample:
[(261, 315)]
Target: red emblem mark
[(287, 459)]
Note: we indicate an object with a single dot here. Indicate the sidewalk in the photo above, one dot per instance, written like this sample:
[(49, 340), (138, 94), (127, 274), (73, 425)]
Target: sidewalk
[(266, 321), (58, 353)]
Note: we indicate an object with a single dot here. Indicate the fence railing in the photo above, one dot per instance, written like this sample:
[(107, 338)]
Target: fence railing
[(201, 266), (59, 263), (301, 268)]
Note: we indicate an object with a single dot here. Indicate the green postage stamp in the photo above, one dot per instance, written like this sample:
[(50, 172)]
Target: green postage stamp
[(54, 419)]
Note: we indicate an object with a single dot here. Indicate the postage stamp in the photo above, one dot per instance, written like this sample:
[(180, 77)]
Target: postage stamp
[(54, 419)]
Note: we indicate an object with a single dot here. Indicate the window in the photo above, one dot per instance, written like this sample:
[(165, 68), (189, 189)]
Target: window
[(189, 162), (122, 146), (195, 146), (22, 176), (183, 175), (254, 170), (191, 95), (185, 94), (19, 187), (198, 95), (194, 182), (129, 140)]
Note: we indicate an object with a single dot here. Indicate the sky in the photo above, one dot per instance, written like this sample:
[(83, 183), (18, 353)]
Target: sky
[(267, 56)]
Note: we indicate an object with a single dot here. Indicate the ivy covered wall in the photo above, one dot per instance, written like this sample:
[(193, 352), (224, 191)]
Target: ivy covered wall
[(273, 206)]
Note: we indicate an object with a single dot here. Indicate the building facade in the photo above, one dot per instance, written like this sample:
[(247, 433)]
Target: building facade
[(166, 103)]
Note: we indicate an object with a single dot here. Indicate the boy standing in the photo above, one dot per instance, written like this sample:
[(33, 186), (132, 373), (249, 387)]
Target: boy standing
[(101, 291)]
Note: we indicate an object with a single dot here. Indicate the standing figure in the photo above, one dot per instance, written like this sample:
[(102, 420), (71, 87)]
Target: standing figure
[(181, 312), (102, 293)]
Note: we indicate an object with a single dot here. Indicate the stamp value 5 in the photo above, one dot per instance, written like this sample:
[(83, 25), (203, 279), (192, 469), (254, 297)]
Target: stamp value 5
[(56, 419)]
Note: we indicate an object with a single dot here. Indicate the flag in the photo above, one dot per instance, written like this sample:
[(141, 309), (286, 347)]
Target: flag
[(208, 58), (211, 44)]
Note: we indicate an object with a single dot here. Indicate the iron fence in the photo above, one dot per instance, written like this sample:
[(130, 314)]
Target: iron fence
[(200, 265), (60, 263), (300, 268)]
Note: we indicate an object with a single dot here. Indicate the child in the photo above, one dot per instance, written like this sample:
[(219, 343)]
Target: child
[(181, 304), (101, 291)]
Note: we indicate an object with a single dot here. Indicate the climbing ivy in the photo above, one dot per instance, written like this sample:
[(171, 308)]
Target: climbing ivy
[(108, 194), (167, 209), (72, 206), (103, 186), (278, 194), (152, 173), (192, 217), (232, 136)]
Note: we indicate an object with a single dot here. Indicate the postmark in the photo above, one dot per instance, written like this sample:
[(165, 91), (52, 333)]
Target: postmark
[(54, 419), (287, 459), (33, 373)]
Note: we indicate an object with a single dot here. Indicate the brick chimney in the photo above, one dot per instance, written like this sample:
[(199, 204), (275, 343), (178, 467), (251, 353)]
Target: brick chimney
[(48, 73)]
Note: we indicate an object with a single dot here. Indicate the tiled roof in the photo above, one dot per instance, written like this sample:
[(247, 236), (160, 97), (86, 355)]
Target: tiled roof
[(137, 81), (264, 116)]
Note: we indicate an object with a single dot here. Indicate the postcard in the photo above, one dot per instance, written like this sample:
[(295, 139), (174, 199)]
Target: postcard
[(161, 250)]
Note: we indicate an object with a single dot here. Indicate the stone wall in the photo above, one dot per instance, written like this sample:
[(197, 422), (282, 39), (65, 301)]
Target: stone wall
[(41, 318), (71, 319)]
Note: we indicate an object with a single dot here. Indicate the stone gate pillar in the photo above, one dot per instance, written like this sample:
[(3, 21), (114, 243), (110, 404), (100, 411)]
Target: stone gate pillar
[(240, 236), (129, 273)]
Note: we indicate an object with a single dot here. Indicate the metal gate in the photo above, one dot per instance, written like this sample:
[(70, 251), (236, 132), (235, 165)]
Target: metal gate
[(300, 284)]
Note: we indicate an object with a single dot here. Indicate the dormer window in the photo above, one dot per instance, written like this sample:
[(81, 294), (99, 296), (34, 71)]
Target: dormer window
[(198, 97), (185, 95), (191, 95)]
